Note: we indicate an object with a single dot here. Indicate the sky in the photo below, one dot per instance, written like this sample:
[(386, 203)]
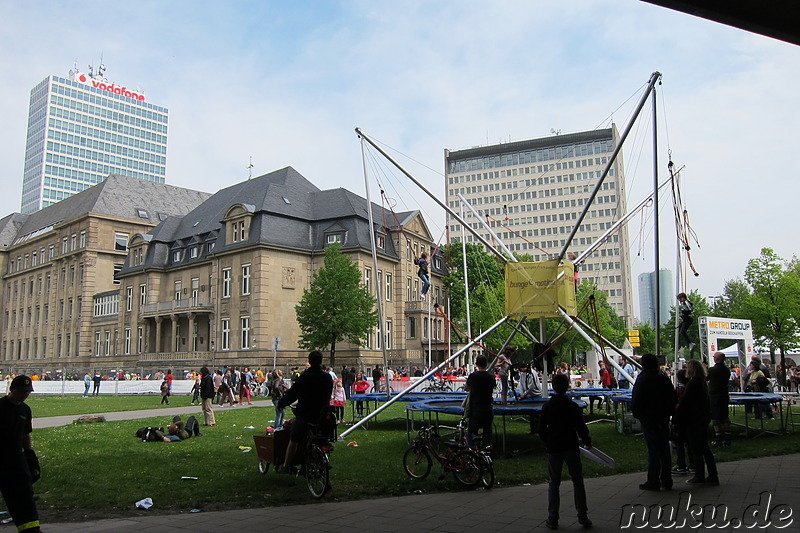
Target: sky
[(286, 83)]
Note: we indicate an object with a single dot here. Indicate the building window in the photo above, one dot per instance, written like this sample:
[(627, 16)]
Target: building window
[(176, 256), (83, 239), (368, 279), (97, 343), (108, 342), (73, 242), (380, 242), (177, 290), (245, 332), (195, 290), (127, 340), (121, 242), (64, 245), (389, 334), (226, 282), (142, 294), (334, 238), (412, 327), (177, 337), (245, 280), (117, 270), (51, 252), (193, 252), (140, 340), (226, 333), (33, 259), (128, 299), (388, 287)]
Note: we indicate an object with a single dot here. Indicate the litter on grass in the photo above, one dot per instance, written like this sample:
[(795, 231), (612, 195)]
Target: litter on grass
[(189, 478), (245, 449), (249, 427), (352, 444), (147, 503)]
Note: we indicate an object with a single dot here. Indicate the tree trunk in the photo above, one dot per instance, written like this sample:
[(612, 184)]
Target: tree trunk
[(333, 354), (782, 372)]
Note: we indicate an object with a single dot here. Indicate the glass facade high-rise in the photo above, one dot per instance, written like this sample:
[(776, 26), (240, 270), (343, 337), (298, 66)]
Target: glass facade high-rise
[(82, 129), (647, 296), (533, 192)]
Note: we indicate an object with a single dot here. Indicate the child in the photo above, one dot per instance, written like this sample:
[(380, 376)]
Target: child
[(337, 400), (165, 392), (196, 391), (561, 424), (360, 386), (422, 263), (278, 388), (678, 432)]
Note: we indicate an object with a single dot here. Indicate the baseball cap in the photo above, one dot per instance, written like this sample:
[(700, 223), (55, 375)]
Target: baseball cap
[(22, 382)]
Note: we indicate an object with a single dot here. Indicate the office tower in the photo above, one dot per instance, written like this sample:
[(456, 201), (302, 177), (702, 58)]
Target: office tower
[(83, 128), (647, 296), (533, 192)]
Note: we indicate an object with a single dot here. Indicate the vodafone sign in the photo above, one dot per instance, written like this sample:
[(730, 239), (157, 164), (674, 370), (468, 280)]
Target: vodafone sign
[(123, 91)]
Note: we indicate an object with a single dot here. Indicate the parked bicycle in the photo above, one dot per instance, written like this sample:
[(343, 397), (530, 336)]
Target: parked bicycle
[(440, 385), (484, 454), (465, 464)]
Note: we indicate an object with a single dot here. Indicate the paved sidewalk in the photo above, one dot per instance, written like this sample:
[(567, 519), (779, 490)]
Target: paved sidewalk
[(166, 412), (512, 509)]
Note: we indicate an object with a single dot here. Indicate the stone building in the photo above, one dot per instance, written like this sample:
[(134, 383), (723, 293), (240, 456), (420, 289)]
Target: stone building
[(60, 270)]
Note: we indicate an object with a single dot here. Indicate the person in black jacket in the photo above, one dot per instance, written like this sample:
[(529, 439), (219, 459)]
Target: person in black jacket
[(719, 377), (561, 424), (694, 413), (207, 394), (312, 391), (653, 402)]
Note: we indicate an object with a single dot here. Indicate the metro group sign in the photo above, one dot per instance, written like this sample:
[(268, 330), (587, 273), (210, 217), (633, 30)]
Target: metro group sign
[(112, 88)]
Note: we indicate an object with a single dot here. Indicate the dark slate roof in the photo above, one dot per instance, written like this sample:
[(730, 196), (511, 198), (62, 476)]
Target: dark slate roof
[(288, 212), (9, 228), (532, 144), (118, 196)]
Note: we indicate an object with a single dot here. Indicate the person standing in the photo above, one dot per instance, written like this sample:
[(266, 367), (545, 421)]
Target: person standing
[(96, 379), (561, 425), (87, 382), (17, 455), (207, 393), (694, 413), (169, 380), (653, 402), (196, 391), (685, 308), (719, 377), (164, 392), (246, 378), (376, 378), (480, 386), (348, 378), (503, 364), (622, 381), (277, 390)]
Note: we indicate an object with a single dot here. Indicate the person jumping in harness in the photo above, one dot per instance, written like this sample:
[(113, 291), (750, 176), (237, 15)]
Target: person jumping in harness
[(422, 263), (685, 312)]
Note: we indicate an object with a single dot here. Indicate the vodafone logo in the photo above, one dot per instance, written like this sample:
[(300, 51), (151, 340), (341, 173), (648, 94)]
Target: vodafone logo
[(122, 91)]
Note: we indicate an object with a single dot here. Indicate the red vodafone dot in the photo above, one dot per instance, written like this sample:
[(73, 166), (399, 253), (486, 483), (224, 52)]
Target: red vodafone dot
[(82, 78)]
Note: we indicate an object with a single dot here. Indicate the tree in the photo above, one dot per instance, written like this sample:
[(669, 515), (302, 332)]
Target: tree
[(336, 307), (774, 303), (732, 301), (647, 339)]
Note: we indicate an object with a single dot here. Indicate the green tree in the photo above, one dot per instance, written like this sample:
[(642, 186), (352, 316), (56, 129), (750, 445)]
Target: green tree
[(647, 339), (731, 302), (774, 303), (336, 307)]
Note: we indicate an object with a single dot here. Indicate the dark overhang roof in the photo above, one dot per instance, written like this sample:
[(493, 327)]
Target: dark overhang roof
[(532, 144), (779, 19)]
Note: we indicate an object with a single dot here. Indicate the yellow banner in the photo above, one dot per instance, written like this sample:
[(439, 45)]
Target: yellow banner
[(535, 290), (633, 333)]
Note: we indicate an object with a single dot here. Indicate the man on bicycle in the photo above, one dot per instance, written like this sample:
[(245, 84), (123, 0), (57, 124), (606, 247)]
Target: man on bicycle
[(312, 391)]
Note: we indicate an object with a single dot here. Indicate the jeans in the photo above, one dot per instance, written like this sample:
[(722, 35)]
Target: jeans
[(85, 389), (659, 460), (279, 414), (426, 283), (697, 439), (555, 461)]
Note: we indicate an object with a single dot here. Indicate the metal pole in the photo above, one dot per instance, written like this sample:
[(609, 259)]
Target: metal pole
[(382, 337), (654, 77), (422, 379), (466, 284), (656, 226), (542, 333), (486, 227), (433, 196), (591, 341)]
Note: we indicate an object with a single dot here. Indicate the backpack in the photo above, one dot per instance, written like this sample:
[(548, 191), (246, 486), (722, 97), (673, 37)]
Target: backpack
[(148, 434)]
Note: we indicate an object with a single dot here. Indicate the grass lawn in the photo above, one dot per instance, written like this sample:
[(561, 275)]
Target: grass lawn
[(100, 470), (51, 405)]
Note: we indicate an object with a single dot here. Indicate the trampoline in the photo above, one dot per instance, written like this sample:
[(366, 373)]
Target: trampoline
[(452, 406), (747, 399), (371, 399)]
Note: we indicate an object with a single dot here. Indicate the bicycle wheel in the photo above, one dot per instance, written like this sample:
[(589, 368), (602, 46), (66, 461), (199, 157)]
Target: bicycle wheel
[(263, 466), (487, 471), (429, 389), (466, 467), (317, 472), (417, 462)]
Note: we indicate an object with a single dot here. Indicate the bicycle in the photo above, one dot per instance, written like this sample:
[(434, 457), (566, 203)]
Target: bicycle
[(317, 465), (439, 385), (484, 454), (465, 464)]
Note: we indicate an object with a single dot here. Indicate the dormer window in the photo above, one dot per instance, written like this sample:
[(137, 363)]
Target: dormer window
[(334, 238), (193, 252), (380, 241), (238, 221), (142, 213), (176, 256)]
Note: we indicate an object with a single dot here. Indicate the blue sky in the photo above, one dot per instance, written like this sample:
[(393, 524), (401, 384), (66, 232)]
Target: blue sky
[(286, 83)]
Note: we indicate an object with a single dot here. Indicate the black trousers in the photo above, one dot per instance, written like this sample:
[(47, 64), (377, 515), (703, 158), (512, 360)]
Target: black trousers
[(481, 418), (659, 460), (17, 489), (555, 462), (697, 439)]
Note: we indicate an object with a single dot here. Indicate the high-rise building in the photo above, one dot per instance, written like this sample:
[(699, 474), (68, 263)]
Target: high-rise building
[(533, 192), (82, 129), (647, 296)]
